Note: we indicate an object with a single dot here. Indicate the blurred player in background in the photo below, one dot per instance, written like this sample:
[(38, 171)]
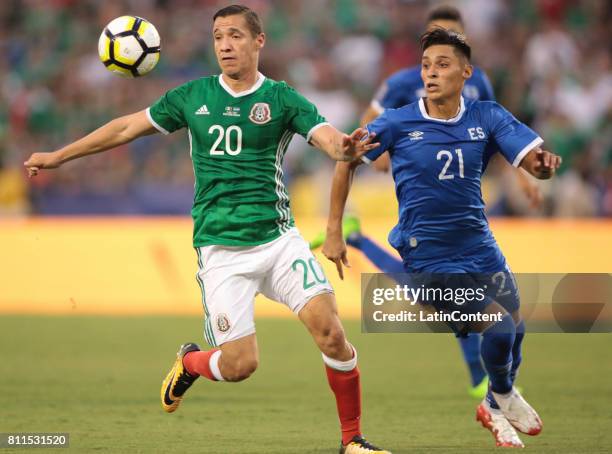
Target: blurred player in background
[(439, 148), (240, 124), (402, 88)]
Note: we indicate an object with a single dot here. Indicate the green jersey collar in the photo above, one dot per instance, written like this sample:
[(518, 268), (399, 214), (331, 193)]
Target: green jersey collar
[(254, 88)]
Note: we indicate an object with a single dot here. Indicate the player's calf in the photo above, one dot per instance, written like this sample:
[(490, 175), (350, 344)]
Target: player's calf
[(496, 351), (239, 358), (333, 343), (321, 318), (239, 369)]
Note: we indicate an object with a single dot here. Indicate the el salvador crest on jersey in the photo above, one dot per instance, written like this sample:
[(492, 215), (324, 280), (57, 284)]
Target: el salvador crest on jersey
[(260, 113)]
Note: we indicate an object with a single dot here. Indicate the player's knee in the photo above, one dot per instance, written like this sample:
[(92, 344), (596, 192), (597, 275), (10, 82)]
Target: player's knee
[(240, 369), (332, 341)]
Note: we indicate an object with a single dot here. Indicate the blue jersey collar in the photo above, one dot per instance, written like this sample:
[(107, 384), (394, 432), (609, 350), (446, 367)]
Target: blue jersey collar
[(455, 119)]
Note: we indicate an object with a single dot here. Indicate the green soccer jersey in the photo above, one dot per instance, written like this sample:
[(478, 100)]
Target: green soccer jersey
[(237, 141)]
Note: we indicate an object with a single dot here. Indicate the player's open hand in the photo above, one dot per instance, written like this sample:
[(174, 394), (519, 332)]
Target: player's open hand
[(334, 248), (357, 144), (546, 163), (39, 161)]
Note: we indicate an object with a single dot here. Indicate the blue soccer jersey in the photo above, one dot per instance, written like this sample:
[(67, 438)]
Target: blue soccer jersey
[(437, 166), (406, 86)]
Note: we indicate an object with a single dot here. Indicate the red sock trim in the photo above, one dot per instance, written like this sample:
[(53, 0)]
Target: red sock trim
[(198, 363), (347, 389)]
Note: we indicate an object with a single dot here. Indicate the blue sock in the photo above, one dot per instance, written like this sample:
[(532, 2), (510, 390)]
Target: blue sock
[(383, 260), (517, 355), (470, 346), (496, 350)]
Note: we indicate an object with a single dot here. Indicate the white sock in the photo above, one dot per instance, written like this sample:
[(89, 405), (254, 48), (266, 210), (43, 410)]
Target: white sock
[(503, 400), (343, 366), (214, 365)]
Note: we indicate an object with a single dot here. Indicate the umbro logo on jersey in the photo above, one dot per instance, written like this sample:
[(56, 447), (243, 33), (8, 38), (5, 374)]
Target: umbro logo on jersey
[(416, 135), (202, 110)]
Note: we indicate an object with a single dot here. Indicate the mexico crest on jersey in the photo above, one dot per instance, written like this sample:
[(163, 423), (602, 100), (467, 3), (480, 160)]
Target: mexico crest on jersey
[(260, 113), (223, 323)]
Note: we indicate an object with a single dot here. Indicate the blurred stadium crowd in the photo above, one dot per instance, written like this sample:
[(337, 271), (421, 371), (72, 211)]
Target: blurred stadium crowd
[(549, 62)]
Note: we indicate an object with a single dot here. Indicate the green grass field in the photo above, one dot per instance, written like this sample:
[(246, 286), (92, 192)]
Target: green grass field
[(98, 378)]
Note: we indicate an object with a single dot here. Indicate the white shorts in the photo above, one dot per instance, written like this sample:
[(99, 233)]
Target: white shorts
[(284, 270)]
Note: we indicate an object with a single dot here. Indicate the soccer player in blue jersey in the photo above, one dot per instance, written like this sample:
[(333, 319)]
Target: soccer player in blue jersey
[(439, 148), (406, 86), (402, 88)]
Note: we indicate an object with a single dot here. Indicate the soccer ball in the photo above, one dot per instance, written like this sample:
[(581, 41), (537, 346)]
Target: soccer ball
[(129, 46)]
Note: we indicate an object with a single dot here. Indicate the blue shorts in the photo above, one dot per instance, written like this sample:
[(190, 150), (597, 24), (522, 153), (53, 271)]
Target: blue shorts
[(482, 269)]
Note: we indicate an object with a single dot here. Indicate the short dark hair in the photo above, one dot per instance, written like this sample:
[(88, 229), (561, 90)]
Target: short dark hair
[(441, 36), (252, 19), (445, 12)]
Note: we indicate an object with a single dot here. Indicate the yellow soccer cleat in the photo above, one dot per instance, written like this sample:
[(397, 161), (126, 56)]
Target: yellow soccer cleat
[(178, 380), (480, 390), (358, 445)]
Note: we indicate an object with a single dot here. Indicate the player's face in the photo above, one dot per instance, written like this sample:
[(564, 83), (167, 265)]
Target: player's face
[(443, 72), (237, 50), (445, 24)]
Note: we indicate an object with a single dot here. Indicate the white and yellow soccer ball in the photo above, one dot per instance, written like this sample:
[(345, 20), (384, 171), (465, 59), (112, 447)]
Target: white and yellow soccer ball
[(129, 46)]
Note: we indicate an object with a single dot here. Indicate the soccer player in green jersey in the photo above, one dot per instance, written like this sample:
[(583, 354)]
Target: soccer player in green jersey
[(239, 125)]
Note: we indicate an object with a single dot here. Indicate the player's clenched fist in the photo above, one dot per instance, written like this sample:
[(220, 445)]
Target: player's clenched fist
[(39, 161), (546, 163)]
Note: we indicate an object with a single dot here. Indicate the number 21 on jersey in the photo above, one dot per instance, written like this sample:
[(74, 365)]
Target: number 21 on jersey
[(448, 156)]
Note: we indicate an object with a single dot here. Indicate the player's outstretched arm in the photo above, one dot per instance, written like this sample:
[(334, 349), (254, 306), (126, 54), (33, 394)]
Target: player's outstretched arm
[(540, 163), (334, 247), (340, 146), (114, 133)]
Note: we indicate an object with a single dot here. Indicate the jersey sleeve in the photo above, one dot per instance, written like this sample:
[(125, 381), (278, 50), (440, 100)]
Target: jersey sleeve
[(303, 116), (167, 113), (513, 138), (382, 126)]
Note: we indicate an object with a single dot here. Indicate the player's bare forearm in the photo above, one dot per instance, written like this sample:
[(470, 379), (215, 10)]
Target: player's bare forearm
[(334, 247), (340, 146), (341, 184), (328, 139), (540, 163), (116, 132)]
